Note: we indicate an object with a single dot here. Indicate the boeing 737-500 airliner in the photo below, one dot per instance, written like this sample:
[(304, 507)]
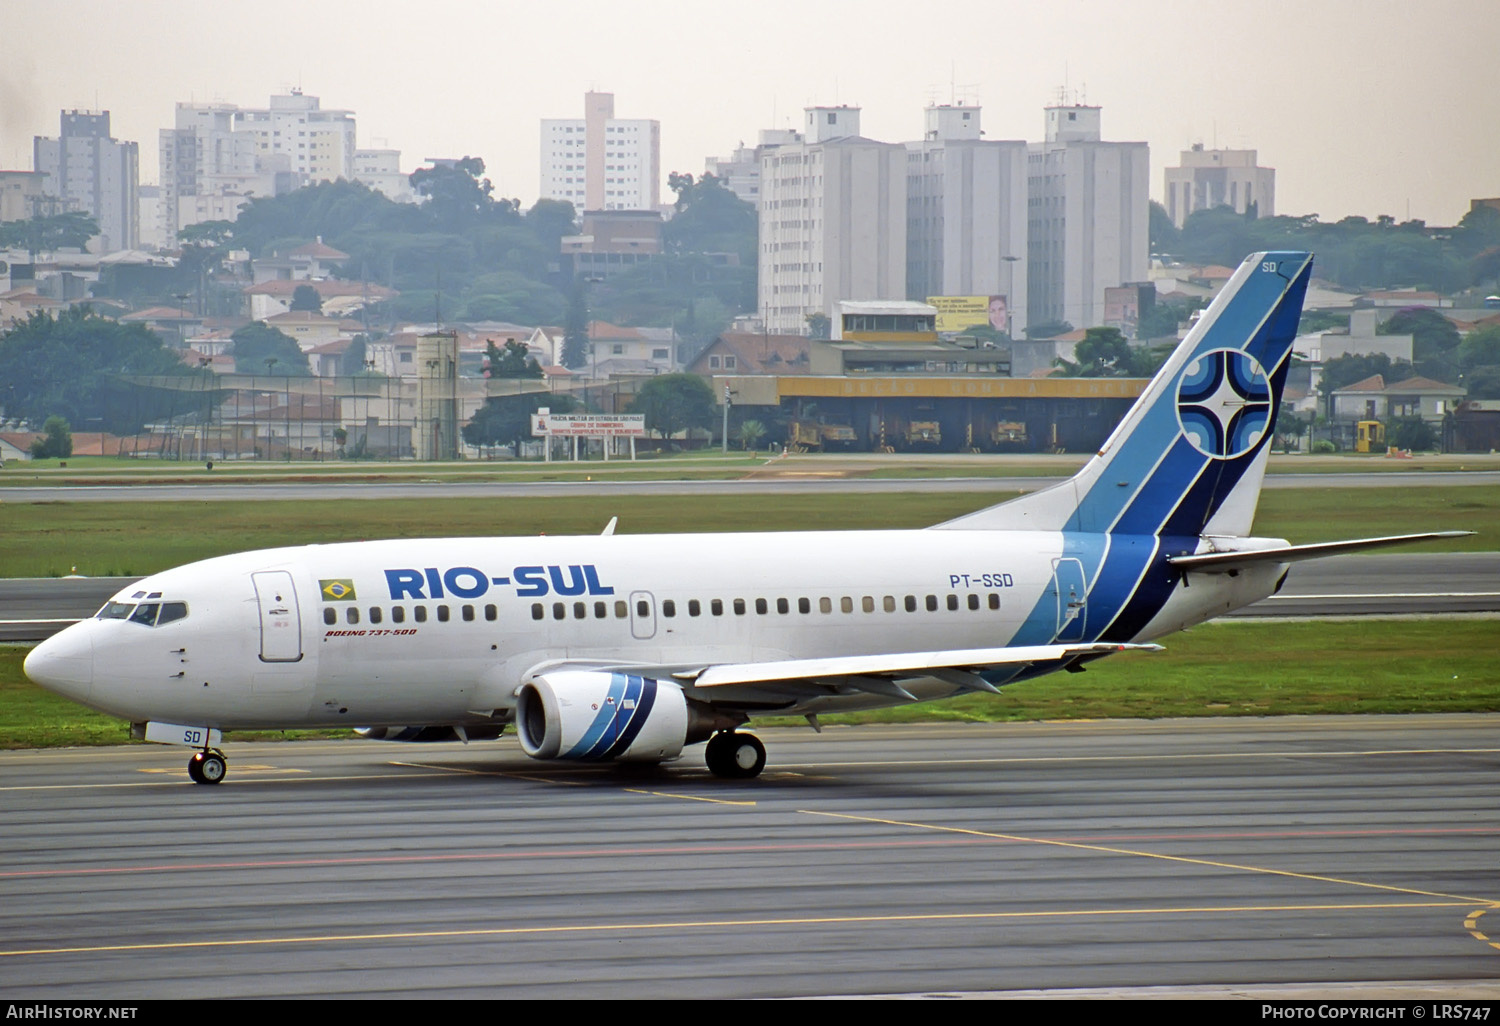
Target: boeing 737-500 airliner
[(616, 647)]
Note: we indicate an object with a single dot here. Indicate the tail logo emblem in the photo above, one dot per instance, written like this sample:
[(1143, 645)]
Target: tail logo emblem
[(1224, 403)]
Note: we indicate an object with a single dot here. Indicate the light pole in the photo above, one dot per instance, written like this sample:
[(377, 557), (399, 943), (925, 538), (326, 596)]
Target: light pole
[(728, 402), (270, 362)]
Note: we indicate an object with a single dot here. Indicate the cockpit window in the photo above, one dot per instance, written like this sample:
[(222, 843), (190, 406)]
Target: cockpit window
[(151, 614)]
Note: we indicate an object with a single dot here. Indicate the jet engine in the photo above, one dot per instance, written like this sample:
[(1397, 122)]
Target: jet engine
[(601, 716)]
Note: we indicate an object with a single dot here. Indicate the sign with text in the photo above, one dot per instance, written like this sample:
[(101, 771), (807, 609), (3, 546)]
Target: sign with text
[(960, 313), (588, 425)]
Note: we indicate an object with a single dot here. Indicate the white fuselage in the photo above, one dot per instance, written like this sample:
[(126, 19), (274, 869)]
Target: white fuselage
[(445, 631)]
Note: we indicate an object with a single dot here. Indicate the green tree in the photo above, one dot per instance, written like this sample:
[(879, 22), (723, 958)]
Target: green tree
[(751, 432), (305, 297), (1165, 237), (710, 219), (458, 195), (1434, 344), (1102, 353), (506, 419), (1483, 382), (675, 402), (1480, 348), (71, 230), (58, 443), (549, 220), (514, 361), (1412, 434), (74, 366), (1160, 321), (819, 326), (575, 349), (258, 342)]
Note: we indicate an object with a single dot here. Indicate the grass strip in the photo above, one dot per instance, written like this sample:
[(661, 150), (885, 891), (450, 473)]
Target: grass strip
[(101, 539)]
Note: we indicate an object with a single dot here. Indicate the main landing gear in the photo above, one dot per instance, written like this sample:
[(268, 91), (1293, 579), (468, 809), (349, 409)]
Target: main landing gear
[(207, 766), (735, 755)]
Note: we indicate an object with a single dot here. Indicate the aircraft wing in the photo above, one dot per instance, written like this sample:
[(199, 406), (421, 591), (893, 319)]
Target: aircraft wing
[(1225, 562), (880, 672)]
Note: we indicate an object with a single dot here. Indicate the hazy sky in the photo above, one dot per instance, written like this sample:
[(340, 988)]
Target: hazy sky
[(1362, 106)]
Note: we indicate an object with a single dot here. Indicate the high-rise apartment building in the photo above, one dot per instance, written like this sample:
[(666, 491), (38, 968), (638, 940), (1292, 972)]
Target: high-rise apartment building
[(91, 172), (832, 221), (1214, 178), (380, 169), (317, 144), (966, 213), (219, 156), (1089, 217), (600, 162), (741, 172), (208, 169)]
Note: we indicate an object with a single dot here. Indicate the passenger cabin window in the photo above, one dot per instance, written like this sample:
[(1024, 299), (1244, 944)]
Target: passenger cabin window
[(330, 616), (420, 613), (442, 614), (351, 615), (398, 614), (668, 608), (375, 616)]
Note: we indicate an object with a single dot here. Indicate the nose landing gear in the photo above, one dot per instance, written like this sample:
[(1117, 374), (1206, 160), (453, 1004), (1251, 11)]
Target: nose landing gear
[(207, 766)]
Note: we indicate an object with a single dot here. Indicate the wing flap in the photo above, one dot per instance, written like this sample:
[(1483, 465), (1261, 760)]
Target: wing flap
[(957, 666), (1225, 562)]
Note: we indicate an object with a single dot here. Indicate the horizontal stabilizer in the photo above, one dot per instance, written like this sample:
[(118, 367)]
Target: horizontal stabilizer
[(901, 664), (1224, 562)]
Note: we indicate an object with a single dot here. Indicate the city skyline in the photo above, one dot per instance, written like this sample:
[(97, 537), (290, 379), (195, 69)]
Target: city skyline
[(1361, 109)]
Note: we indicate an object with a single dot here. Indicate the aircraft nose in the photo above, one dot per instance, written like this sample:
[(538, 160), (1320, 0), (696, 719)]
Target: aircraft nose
[(64, 663)]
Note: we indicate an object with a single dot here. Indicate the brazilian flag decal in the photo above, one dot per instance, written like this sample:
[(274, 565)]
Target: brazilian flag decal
[(337, 591)]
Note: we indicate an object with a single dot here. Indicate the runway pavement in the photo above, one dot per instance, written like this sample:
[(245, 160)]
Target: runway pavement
[(1339, 856), (1400, 583)]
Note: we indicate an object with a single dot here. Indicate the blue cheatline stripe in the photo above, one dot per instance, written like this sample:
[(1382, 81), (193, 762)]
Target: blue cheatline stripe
[(604, 720), (1249, 318), (1129, 560), (1156, 586), (645, 697), (1167, 510), (1174, 476)]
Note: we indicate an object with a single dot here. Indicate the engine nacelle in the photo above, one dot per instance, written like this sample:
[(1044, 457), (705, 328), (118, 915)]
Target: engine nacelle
[(423, 734), (600, 716)]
